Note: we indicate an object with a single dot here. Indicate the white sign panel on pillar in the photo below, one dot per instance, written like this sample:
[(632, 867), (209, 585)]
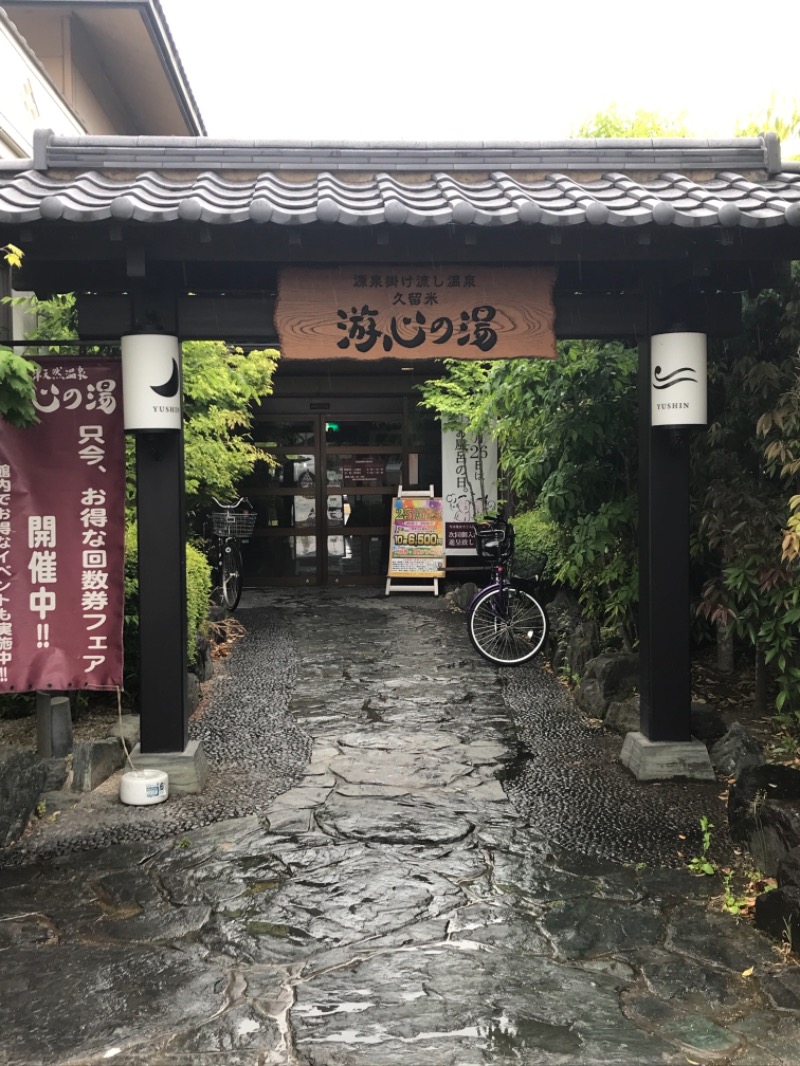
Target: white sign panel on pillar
[(151, 382), (678, 380), (469, 486)]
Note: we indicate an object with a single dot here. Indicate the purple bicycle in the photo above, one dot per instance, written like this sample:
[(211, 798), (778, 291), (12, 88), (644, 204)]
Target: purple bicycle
[(506, 624)]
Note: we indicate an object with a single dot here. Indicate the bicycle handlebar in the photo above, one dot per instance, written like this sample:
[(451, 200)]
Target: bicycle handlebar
[(230, 506)]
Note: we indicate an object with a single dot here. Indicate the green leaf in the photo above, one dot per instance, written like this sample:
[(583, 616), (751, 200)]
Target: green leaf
[(17, 389)]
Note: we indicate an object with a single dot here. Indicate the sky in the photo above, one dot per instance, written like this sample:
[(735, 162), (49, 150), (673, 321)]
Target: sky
[(455, 70)]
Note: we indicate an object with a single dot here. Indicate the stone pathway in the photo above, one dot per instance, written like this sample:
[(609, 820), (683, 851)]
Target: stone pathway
[(391, 906)]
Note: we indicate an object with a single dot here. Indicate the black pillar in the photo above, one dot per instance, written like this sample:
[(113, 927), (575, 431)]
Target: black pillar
[(664, 619), (161, 520)]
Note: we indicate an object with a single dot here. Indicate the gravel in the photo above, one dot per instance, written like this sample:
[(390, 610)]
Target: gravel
[(568, 782), (254, 747)]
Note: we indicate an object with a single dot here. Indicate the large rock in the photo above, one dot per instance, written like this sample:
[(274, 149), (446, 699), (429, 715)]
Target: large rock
[(203, 665), (708, 724), (623, 716), (55, 774), (607, 679), (736, 751), (22, 780), (192, 691), (583, 646), (462, 596), (764, 813), (564, 616), (789, 870), (778, 915), (128, 727), (94, 761)]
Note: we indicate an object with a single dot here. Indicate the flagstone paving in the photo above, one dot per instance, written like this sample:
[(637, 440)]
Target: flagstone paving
[(355, 887)]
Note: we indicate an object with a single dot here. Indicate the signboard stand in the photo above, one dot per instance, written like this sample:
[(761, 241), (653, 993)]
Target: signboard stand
[(432, 583)]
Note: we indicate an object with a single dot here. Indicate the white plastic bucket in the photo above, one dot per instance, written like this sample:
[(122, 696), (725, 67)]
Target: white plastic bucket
[(140, 788)]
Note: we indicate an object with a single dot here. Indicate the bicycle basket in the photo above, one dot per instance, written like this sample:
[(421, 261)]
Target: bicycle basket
[(230, 524), (534, 565), (492, 541), (529, 576)]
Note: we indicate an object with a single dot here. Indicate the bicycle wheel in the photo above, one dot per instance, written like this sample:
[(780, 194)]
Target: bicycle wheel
[(231, 586), (508, 627)]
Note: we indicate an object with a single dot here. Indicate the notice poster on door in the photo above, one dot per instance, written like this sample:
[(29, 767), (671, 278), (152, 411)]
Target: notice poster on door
[(416, 547), (469, 486)]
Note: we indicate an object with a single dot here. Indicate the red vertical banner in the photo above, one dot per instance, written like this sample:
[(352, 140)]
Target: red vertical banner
[(62, 531)]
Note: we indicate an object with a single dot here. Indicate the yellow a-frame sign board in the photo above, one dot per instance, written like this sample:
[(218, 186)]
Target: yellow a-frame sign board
[(416, 543)]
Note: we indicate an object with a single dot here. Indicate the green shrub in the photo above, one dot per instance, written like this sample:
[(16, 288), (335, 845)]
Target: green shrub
[(536, 540), (198, 591), (130, 624)]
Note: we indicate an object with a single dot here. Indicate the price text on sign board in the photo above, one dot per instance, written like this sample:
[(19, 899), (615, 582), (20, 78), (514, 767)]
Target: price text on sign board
[(457, 312), (417, 539)]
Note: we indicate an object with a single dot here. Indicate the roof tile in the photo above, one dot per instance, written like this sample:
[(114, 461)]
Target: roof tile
[(642, 182)]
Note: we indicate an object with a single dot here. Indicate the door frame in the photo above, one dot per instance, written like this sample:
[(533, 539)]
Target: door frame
[(317, 412)]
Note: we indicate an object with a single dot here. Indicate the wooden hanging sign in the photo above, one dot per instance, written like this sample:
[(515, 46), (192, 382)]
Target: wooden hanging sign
[(416, 312)]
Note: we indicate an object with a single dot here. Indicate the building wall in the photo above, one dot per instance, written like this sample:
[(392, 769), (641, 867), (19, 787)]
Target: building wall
[(84, 98), (31, 97), (61, 46), (52, 78)]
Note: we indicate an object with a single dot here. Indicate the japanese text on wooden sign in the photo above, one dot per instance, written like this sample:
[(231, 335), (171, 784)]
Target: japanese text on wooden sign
[(62, 485), (416, 547), (408, 312)]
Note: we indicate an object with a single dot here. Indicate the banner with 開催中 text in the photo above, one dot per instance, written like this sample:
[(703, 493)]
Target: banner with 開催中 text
[(62, 527)]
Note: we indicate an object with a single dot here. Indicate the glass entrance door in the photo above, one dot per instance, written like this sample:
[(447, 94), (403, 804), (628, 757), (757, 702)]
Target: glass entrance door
[(364, 465), (324, 508)]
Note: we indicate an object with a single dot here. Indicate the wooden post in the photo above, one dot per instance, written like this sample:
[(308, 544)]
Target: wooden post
[(664, 622), (163, 698)]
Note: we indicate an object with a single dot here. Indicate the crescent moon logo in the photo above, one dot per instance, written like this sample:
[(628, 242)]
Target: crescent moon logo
[(169, 388)]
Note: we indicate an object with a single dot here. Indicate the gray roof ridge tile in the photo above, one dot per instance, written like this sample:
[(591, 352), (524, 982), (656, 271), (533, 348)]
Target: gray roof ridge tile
[(72, 152), (535, 145)]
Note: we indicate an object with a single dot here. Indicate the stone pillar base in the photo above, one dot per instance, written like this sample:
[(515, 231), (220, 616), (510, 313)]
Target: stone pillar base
[(53, 726), (187, 770), (659, 760)]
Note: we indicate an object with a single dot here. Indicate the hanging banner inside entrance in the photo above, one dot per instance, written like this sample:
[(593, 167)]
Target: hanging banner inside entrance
[(469, 486), (416, 312), (416, 547), (62, 509)]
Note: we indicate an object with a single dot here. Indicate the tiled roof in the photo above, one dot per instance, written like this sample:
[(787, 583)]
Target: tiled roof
[(193, 153), (617, 183)]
